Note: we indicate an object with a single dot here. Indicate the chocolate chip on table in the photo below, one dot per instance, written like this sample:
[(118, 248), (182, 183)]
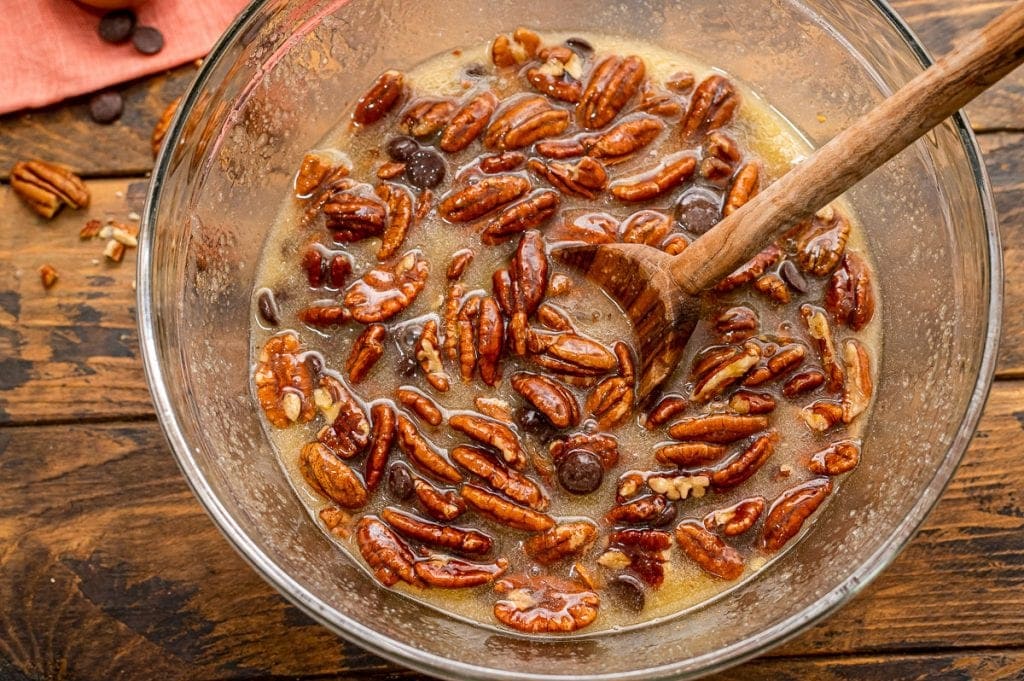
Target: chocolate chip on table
[(628, 591), (425, 169), (399, 481), (106, 107), (791, 275), (117, 26), (148, 40), (269, 311), (698, 210), (580, 471), (400, 149)]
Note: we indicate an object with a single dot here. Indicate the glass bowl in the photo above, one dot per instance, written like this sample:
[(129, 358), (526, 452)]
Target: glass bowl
[(275, 84)]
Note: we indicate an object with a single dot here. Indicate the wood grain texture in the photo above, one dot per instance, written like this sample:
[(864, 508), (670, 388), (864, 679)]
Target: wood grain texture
[(82, 572)]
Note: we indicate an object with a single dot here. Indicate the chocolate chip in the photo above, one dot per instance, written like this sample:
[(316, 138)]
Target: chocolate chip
[(315, 364), (665, 517), (148, 40), (106, 107), (401, 149), (475, 70), (269, 311), (698, 210), (580, 471), (117, 26), (407, 366), (628, 591), (399, 481), (424, 169), (791, 275), (580, 46), (536, 423)]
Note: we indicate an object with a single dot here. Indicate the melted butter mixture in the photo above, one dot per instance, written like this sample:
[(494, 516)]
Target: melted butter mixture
[(761, 133)]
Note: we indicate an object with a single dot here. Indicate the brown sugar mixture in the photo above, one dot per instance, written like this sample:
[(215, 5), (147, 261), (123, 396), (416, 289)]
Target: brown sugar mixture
[(457, 409)]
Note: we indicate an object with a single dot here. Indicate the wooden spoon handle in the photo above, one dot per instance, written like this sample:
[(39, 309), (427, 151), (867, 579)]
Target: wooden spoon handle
[(984, 57)]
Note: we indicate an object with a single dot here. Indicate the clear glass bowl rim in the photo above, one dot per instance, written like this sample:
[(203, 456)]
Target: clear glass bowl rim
[(411, 657)]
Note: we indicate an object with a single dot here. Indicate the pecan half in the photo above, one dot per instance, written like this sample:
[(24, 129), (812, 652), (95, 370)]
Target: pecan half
[(382, 438), (461, 259), (554, 79), (718, 428), (859, 387), (423, 454), (323, 316), (736, 519), (591, 228), (838, 458), (314, 171), (467, 124), (386, 554), (381, 98), (490, 340), (646, 227), (353, 216), (493, 434), (502, 288), (586, 178), (611, 402), (821, 333), (744, 187), (549, 397), (822, 242), (536, 605), (849, 296), (523, 121), (788, 513), (529, 272), (552, 317), (751, 270), (652, 184), (284, 383), (451, 573), (399, 218), (450, 319), (711, 107), (613, 82), (783, 361), (424, 407), (531, 212), (325, 267), (367, 349), (466, 324), (654, 100), (718, 378), (428, 355), (624, 139), (689, 454), (348, 432), (424, 117), (747, 402), (385, 291), (677, 486), (47, 187), (511, 483), (519, 49), (643, 510), (441, 505), (506, 512), (496, 408), (560, 542), (443, 536), (803, 382), (737, 324), (708, 551), (747, 463), (390, 170), (645, 550), (477, 200), (505, 162), (665, 410), (822, 415), (328, 475), (578, 354)]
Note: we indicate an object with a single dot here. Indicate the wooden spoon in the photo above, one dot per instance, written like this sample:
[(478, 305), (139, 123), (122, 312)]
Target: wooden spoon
[(659, 292)]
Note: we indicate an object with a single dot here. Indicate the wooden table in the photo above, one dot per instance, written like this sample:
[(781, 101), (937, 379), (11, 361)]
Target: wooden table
[(110, 569)]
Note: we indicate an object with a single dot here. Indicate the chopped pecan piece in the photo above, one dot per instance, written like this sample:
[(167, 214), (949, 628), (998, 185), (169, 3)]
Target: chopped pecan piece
[(711, 107), (751, 270), (384, 552), (48, 276), (519, 49), (820, 331), (524, 121), (337, 521), (586, 178), (611, 402), (560, 542), (493, 434), (536, 605), (47, 187), (354, 216), (708, 551), (554, 79), (399, 218), (468, 123), (385, 291), (788, 513), (717, 379), (785, 360), (497, 409), (424, 407), (689, 454), (331, 477), (368, 348), (645, 550), (736, 519), (652, 184), (314, 171), (443, 536), (677, 486), (348, 432), (643, 510), (504, 162), (382, 438), (822, 415), (325, 267), (562, 148), (744, 187), (558, 285), (428, 355), (452, 573), (838, 458), (477, 200), (803, 382), (423, 454), (530, 213), (859, 387), (718, 428), (284, 383), (505, 512), (822, 242), (772, 286), (737, 324), (849, 296), (747, 402), (461, 259), (659, 102), (442, 505), (511, 483), (646, 227), (381, 98), (747, 463), (424, 117), (613, 82), (549, 397), (323, 316), (390, 170), (552, 317), (665, 410), (591, 228), (605, 447)]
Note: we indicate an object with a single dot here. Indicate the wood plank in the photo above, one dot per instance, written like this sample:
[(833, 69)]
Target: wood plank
[(83, 573), (64, 133)]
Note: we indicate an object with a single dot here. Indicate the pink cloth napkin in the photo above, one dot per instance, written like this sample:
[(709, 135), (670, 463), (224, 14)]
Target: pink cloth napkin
[(50, 49)]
